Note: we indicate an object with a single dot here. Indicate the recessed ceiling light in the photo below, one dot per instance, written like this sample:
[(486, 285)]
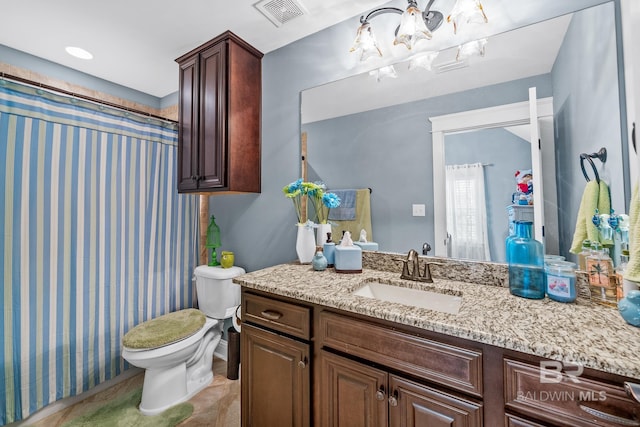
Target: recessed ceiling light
[(78, 52)]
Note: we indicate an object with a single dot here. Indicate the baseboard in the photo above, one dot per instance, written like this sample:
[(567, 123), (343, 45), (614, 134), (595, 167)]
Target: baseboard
[(62, 404), (221, 350)]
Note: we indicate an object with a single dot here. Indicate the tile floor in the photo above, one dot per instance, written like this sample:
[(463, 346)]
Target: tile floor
[(218, 405)]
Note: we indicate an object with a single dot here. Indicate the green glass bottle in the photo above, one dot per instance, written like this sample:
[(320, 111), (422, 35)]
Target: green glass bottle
[(213, 241)]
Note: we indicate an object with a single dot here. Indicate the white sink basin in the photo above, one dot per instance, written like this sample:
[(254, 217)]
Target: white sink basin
[(436, 301)]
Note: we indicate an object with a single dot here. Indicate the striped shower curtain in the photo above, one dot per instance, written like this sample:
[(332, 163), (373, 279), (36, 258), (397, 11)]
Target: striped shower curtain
[(95, 239)]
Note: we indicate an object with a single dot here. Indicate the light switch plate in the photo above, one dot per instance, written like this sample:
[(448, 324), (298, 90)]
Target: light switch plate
[(419, 210)]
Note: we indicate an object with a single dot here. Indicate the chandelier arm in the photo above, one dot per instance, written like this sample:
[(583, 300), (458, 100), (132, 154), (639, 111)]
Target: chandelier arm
[(428, 8), (433, 19), (380, 11)]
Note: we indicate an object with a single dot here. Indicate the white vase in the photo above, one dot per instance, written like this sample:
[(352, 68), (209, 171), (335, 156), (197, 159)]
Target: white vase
[(321, 233), (305, 243)]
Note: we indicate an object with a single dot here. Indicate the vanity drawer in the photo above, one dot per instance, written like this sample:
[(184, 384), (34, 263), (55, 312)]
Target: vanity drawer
[(564, 399), (455, 367), (288, 318), (513, 421)]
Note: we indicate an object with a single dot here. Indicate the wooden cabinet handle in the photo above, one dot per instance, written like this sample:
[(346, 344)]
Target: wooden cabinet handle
[(271, 314), (608, 417)]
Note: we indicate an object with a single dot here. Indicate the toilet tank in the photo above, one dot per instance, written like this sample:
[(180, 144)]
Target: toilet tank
[(218, 296)]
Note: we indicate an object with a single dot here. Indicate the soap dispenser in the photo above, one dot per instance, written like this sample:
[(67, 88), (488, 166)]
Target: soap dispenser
[(329, 249)]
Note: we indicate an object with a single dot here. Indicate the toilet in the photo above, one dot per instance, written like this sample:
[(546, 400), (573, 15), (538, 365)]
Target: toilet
[(176, 349)]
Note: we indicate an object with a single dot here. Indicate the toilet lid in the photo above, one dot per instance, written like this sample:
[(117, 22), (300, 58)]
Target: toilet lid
[(165, 329)]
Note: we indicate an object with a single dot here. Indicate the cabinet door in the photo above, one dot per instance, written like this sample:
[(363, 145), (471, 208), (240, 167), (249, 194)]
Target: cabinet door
[(275, 380), (414, 405), (213, 115), (351, 393), (188, 125)]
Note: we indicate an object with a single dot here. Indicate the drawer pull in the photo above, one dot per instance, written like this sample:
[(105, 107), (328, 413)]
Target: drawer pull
[(633, 390), (271, 314), (380, 394), (609, 417), (302, 364)]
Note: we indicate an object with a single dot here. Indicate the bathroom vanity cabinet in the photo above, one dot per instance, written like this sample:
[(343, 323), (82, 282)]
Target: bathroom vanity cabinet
[(219, 117), (307, 364), (275, 357)]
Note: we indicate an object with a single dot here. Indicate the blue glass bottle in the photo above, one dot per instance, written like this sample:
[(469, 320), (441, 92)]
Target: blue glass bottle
[(526, 263), (510, 237)]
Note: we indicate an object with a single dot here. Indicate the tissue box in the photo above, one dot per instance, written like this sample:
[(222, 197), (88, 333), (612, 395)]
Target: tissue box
[(348, 259), (367, 246)]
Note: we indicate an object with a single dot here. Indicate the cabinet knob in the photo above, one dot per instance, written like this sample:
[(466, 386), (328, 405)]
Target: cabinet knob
[(303, 363), (393, 400), (380, 394)]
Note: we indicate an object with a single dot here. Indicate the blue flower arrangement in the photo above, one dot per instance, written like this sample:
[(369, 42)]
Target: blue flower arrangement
[(321, 200)]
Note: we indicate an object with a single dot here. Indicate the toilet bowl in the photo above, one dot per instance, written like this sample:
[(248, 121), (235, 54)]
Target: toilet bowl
[(176, 349)]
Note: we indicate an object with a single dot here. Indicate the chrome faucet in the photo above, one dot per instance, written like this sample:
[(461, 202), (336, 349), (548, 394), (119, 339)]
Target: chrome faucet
[(414, 273)]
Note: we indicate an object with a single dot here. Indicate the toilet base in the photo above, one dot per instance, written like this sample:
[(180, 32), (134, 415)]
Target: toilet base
[(164, 388)]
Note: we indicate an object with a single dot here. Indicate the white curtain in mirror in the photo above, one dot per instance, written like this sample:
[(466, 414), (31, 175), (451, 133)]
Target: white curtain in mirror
[(467, 212)]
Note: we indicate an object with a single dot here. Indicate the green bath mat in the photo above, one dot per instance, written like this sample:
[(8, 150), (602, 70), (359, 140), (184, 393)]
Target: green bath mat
[(123, 412)]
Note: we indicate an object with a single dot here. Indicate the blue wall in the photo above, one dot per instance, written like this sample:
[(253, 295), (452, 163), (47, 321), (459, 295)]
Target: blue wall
[(586, 112)]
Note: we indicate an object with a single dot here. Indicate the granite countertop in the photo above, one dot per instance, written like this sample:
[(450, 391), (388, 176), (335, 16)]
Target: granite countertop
[(584, 333)]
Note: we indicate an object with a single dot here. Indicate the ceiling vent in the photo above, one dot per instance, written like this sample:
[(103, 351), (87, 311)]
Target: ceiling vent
[(450, 66), (279, 12)]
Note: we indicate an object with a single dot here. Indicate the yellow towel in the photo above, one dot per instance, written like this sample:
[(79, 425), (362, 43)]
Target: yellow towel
[(594, 197), (584, 227), (362, 220), (633, 267)]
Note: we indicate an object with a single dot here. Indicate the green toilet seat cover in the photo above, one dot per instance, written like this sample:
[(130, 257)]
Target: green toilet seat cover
[(164, 330)]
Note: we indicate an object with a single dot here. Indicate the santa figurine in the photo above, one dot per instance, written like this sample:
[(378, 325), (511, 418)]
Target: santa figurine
[(524, 186)]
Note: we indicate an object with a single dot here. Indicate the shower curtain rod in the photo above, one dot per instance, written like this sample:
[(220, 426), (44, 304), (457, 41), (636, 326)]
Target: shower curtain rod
[(33, 83)]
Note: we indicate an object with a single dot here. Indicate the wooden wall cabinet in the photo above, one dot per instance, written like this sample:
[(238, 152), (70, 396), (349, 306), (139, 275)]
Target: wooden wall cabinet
[(220, 98)]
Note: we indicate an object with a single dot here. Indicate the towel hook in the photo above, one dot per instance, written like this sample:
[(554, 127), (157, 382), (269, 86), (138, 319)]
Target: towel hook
[(600, 155), (584, 172)]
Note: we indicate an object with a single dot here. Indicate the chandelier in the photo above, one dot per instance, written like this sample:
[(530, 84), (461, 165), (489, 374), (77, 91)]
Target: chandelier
[(415, 24)]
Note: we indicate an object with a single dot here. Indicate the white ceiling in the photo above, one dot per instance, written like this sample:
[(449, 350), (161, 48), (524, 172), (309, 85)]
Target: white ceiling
[(135, 42)]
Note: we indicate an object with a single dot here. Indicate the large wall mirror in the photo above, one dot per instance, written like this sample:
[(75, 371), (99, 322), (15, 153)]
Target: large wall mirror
[(366, 132)]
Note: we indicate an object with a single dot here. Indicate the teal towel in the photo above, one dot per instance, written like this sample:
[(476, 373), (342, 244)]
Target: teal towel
[(347, 209)]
